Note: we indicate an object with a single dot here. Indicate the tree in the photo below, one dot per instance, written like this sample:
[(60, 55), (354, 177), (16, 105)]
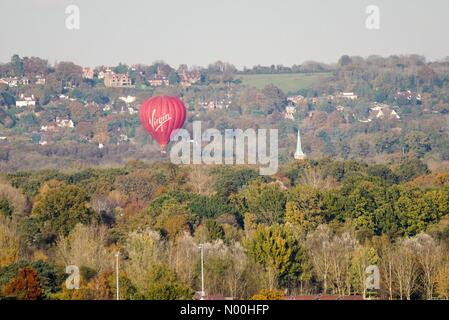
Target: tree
[(279, 252), (9, 241), (85, 247), (386, 251), (58, 211), (268, 295), (331, 257), (230, 180), (405, 268), (305, 207), (364, 256), (25, 286), (344, 60), (442, 279), (429, 256), (265, 200), (410, 169), (68, 73), (12, 202), (17, 65)]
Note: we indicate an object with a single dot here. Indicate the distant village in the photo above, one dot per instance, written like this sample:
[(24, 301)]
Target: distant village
[(53, 105)]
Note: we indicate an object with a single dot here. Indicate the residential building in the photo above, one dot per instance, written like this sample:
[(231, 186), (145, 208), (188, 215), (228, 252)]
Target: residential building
[(25, 101), (40, 80), (297, 100), (347, 95), (64, 123), (290, 112), (11, 82), (158, 81), (408, 95), (189, 78), (112, 79), (88, 73)]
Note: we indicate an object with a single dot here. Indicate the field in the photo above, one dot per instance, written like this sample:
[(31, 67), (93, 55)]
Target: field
[(288, 82)]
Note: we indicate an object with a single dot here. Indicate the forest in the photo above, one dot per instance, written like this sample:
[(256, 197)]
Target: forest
[(312, 228)]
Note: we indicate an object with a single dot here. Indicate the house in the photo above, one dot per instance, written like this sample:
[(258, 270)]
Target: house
[(24, 81), (383, 111), (215, 104), (64, 123), (189, 78), (102, 73), (158, 81), (88, 73), (347, 96), (132, 111), (24, 101), (408, 95), (11, 82), (289, 112), (297, 100), (115, 80), (49, 128), (128, 99), (40, 80)]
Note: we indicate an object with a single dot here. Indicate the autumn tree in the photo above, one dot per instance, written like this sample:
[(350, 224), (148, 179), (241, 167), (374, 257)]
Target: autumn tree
[(85, 247), (25, 286), (57, 212), (10, 241)]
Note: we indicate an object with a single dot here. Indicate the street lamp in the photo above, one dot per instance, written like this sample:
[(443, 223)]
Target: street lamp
[(116, 273), (201, 246)]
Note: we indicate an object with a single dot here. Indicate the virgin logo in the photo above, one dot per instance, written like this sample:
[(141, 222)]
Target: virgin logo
[(157, 123)]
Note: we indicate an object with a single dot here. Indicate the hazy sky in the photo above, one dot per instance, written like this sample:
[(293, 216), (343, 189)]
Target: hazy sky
[(243, 32)]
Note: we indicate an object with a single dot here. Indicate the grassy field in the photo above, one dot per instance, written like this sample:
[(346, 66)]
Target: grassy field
[(289, 82)]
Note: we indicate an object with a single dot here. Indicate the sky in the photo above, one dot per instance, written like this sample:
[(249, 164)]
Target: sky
[(199, 32)]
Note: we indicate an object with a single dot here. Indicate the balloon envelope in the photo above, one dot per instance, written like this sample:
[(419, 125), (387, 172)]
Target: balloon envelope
[(161, 115)]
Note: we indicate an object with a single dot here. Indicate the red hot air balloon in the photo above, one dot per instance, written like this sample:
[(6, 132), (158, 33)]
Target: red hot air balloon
[(161, 115)]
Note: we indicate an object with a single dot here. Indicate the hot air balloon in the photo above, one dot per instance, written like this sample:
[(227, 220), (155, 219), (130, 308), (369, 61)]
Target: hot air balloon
[(161, 115)]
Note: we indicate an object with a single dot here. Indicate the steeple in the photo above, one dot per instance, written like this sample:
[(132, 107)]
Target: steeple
[(299, 154)]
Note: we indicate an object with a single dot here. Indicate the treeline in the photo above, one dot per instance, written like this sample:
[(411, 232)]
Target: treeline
[(313, 228)]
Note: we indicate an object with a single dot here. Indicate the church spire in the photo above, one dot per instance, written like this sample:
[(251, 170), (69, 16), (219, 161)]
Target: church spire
[(299, 154)]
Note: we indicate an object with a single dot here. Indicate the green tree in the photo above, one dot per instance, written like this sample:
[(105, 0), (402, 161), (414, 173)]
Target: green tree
[(279, 252), (265, 200), (57, 211)]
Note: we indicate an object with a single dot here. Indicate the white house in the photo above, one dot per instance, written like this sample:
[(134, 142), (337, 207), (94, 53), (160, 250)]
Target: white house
[(64, 123), (128, 99), (26, 101), (347, 95)]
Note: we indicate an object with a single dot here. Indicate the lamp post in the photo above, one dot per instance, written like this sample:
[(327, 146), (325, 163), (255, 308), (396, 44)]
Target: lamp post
[(201, 246), (116, 273)]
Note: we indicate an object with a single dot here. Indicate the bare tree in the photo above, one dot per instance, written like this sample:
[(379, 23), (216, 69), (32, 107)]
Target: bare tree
[(85, 246), (363, 257), (405, 269), (342, 249), (429, 256), (386, 265), (320, 251)]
